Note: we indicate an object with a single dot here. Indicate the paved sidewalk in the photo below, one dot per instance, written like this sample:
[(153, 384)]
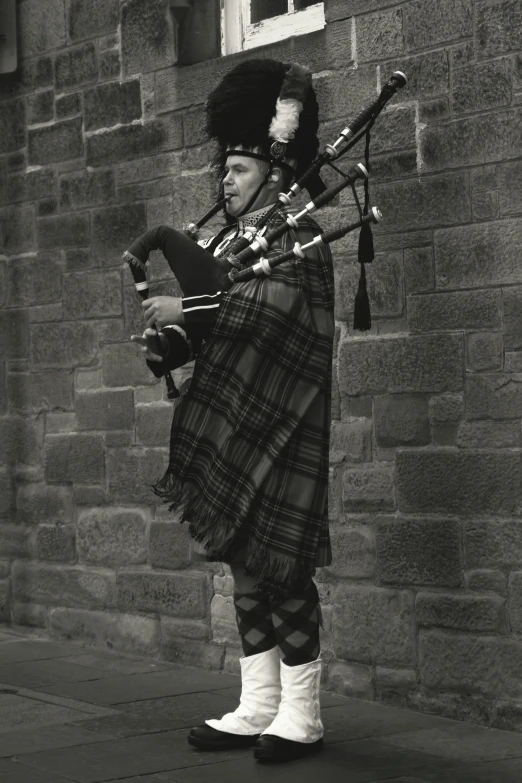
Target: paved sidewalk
[(72, 713)]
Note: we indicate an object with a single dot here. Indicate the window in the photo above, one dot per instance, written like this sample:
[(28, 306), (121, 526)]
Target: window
[(249, 23)]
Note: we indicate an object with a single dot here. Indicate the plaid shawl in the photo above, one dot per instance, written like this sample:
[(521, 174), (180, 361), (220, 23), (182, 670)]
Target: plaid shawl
[(250, 438)]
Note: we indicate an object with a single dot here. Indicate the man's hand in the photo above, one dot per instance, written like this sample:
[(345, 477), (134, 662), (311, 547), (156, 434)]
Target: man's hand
[(149, 345), (163, 311)]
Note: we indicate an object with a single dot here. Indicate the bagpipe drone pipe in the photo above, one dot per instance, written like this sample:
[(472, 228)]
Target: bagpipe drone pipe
[(199, 272)]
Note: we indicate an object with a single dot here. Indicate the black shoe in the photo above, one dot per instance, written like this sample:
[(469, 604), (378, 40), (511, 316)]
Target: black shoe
[(206, 738), (272, 748)]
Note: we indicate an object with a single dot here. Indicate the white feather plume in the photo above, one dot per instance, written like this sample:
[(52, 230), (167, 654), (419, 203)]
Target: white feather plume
[(286, 119)]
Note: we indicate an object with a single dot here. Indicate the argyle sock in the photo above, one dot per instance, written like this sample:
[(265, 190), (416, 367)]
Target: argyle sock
[(254, 622), (296, 624)]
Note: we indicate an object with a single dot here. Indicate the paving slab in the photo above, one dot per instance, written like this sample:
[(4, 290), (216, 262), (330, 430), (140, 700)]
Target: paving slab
[(16, 710), (145, 755), (13, 772), (339, 763), (33, 739), (116, 663), (60, 701), (32, 650), (492, 772), (462, 742), (166, 714), (135, 687), (32, 674)]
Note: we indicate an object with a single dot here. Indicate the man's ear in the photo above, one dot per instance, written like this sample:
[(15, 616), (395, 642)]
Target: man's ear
[(276, 175)]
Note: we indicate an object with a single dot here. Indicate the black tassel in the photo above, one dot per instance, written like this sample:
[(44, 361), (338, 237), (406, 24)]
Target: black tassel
[(362, 319), (366, 252)]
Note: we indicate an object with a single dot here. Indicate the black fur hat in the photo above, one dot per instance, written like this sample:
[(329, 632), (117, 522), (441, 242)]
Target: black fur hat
[(268, 108)]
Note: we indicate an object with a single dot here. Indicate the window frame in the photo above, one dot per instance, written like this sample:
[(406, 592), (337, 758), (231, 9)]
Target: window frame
[(238, 34)]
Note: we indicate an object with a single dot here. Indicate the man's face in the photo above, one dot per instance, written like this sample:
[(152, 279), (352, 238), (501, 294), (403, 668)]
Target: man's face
[(243, 177)]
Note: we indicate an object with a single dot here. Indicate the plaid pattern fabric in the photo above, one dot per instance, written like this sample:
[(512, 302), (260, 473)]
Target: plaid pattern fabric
[(296, 625), (254, 622), (250, 439)]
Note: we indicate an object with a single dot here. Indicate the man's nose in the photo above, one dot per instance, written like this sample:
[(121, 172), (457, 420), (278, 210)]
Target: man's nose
[(228, 179)]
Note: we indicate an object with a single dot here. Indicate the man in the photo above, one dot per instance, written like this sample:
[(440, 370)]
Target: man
[(250, 438)]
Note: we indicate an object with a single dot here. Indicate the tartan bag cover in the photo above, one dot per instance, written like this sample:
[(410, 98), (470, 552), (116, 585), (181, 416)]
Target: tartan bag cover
[(250, 438)]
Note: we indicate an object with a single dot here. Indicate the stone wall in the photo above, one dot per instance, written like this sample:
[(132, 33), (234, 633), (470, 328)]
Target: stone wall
[(101, 137)]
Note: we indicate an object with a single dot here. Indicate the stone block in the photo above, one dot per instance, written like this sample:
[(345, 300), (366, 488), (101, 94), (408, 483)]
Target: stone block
[(508, 716), (92, 294), (374, 625), (351, 679), (55, 542), (40, 107), (55, 143), (384, 283), (447, 407), (153, 424), (223, 620), (75, 67), (30, 75), (167, 164), (397, 364), (418, 270), (134, 141), (33, 392), (20, 440), (77, 259), (123, 365), (425, 202), (169, 545), (462, 612), (470, 663), (339, 92), (489, 435), (105, 410), (353, 550), (112, 536), (493, 543), (455, 310), (17, 229), (176, 594), (485, 580), (90, 496), (494, 396), (30, 615), (14, 336), (5, 601), (109, 65), (42, 26), (114, 229), (47, 206), (60, 422), (485, 351), (368, 488), (194, 127), (131, 473), (428, 75), (482, 86), (434, 110), (126, 633), (15, 542), (462, 483), (395, 679), (353, 438), (513, 361), (116, 103), (42, 504), (515, 601), (34, 280), (379, 35), (401, 420), (419, 551), (91, 18), (510, 188), (61, 585), (427, 24), (147, 36), (31, 185), (498, 28), (394, 165), (7, 497), (86, 188), (73, 458), (192, 653), (471, 140), (68, 105), (512, 300), (63, 231), (63, 344), (172, 627)]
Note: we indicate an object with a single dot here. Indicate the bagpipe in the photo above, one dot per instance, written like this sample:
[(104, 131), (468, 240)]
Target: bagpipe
[(200, 272)]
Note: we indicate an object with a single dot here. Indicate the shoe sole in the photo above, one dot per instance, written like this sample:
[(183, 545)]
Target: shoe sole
[(202, 744)]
